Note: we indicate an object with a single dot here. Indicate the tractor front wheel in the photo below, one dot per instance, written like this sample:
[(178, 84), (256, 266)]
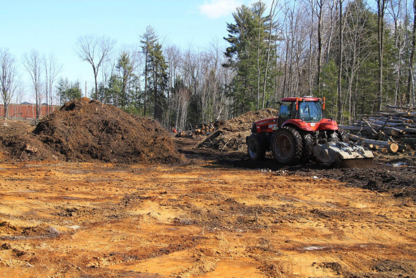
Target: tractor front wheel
[(343, 135), (339, 136), (307, 147), (287, 145), (256, 147)]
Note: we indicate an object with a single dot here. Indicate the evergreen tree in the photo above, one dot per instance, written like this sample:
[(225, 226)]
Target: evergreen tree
[(125, 68), (68, 91), (250, 48), (158, 80), (113, 92), (148, 42), (155, 73), (135, 94)]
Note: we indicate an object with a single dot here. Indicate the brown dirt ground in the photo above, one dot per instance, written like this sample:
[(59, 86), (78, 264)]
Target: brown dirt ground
[(218, 215)]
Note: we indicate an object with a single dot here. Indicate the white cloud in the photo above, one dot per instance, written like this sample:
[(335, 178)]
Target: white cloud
[(218, 8)]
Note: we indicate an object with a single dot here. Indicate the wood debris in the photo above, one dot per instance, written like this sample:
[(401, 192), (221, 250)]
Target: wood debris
[(389, 131)]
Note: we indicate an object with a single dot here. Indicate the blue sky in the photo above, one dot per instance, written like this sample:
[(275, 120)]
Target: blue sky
[(54, 26)]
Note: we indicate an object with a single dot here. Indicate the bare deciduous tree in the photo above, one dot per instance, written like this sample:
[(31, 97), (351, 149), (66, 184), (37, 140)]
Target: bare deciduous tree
[(52, 69), (317, 9), (410, 86), (173, 57), (341, 36), (396, 11), (272, 27), (33, 64), (95, 50), (356, 44), (381, 8), (8, 78)]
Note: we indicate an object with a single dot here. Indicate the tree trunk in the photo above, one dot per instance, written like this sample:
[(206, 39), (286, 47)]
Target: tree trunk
[(310, 60), (145, 86), (340, 63), (320, 23), (271, 16), (95, 82), (381, 9), (6, 110), (410, 91)]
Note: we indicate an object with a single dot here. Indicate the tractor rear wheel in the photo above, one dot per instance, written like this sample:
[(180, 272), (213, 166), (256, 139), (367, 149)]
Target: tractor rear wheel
[(287, 145), (256, 147)]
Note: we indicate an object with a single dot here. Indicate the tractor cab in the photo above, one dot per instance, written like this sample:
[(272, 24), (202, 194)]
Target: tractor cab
[(307, 109)]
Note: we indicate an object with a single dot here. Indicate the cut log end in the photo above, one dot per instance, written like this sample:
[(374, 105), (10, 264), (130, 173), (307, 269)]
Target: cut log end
[(392, 148)]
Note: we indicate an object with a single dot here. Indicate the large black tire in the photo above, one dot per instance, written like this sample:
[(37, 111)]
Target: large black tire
[(343, 135), (256, 147), (307, 147), (287, 145)]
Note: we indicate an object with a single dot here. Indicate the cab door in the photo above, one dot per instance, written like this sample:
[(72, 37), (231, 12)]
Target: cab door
[(286, 112)]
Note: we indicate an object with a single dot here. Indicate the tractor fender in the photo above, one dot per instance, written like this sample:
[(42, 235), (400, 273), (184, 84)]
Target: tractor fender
[(328, 124)]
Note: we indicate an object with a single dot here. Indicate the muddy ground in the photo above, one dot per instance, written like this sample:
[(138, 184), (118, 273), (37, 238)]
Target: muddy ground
[(215, 215)]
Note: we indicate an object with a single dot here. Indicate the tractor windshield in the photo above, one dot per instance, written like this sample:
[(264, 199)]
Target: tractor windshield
[(310, 111)]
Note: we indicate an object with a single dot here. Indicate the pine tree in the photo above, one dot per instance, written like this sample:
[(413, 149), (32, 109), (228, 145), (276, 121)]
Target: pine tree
[(158, 80), (148, 42), (125, 69), (68, 91), (250, 48), (155, 73)]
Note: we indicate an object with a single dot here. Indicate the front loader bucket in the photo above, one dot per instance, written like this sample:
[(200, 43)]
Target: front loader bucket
[(335, 153)]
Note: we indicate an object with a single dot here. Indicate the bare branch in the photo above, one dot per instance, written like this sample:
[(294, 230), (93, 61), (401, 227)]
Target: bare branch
[(8, 82), (95, 51)]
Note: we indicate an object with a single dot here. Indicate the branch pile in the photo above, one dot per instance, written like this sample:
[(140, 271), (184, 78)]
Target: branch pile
[(389, 132), (202, 129), (231, 136)]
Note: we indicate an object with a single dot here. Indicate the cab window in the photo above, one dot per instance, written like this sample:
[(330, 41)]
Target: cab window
[(286, 110), (310, 111)]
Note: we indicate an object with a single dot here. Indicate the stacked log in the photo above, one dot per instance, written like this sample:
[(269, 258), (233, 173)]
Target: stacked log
[(389, 131), (201, 129), (390, 147)]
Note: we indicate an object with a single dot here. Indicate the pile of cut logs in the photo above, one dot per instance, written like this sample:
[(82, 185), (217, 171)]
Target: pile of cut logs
[(202, 129), (391, 131)]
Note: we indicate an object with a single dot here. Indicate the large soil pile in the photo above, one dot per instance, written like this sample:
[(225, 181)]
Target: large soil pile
[(232, 135), (86, 129)]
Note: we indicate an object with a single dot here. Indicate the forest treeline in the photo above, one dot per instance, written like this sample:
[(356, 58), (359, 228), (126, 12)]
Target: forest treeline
[(357, 54)]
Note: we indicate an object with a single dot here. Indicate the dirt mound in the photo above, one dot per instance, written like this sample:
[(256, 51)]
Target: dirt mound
[(232, 135), (84, 130), (19, 143)]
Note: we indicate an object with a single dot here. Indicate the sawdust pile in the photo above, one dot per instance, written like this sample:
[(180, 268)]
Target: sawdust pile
[(86, 130), (232, 135)]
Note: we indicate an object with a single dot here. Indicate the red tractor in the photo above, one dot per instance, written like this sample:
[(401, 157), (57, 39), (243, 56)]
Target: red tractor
[(301, 133)]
